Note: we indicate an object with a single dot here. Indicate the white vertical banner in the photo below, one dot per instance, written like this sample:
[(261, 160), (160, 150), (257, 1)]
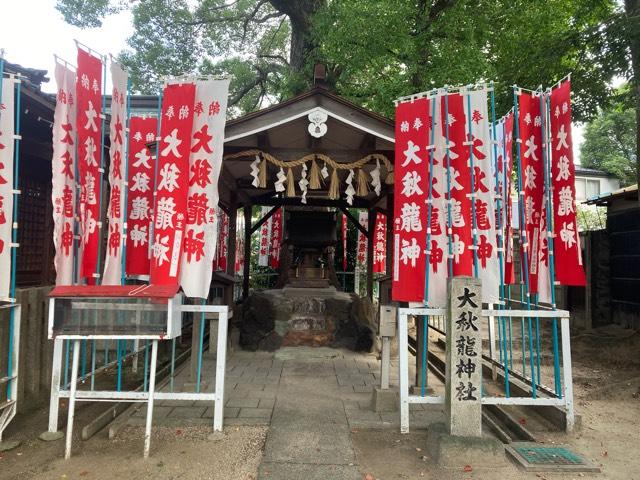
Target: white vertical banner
[(6, 184), (483, 193), (438, 247), (116, 212), (205, 163), (63, 171), (265, 240)]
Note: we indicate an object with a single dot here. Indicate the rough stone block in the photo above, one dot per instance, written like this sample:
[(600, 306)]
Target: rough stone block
[(384, 400), (455, 452)]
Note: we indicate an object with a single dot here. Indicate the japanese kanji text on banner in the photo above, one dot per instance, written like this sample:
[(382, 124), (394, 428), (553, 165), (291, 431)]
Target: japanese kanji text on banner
[(89, 104), (116, 210), (6, 184), (63, 171), (410, 212), (172, 183), (140, 194), (205, 163), (567, 253)]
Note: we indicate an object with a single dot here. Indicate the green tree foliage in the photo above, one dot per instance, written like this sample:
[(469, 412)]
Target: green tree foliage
[(610, 140), (375, 50)]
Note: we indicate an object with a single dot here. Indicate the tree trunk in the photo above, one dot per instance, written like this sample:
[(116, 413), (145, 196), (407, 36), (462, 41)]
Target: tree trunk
[(300, 14), (632, 10)]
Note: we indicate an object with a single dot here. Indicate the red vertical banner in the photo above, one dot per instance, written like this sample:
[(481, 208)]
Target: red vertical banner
[(89, 113), (140, 194), (507, 153), (239, 246), (567, 254), (265, 239), (361, 259), (276, 239), (63, 171), (222, 247), (410, 195), (344, 242), (532, 177), (7, 140), (172, 183), (460, 185), (380, 243), (116, 210)]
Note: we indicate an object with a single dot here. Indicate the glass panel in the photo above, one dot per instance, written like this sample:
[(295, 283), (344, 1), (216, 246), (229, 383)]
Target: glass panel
[(109, 316), (581, 193), (593, 188)]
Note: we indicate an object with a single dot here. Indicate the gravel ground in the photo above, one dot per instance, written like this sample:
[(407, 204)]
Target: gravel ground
[(186, 454)]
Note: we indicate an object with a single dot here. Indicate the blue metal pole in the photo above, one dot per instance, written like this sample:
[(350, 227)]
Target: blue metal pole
[(200, 349), (14, 231), (126, 179), (173, 361), (102, 128), (523, 237), (119, 368), (155, 164), (93, 364), (425, 346), (449, 219), (501, 320), (547, 158), (146, 365), (66, 362)]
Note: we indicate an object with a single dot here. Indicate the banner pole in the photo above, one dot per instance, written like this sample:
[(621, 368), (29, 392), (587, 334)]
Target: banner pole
[(499, 195), (425, 320), (474, 225), (523, 239), (14, 229), (102, 127), (547, 158), (448, 197), (125, 182), (152, 225)]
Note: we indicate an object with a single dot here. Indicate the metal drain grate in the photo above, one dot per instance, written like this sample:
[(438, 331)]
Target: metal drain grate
[(538, 458)]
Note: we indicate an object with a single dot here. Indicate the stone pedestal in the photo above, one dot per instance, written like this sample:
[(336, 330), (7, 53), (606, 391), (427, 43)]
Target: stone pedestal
[(463, 385), (384, 400), (456, 452)]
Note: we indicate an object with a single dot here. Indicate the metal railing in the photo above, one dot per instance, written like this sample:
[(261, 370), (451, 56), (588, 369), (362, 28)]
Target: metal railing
[(514, 350)]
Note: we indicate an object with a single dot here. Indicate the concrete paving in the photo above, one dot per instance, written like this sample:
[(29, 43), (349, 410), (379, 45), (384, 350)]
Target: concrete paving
[(313, 399)]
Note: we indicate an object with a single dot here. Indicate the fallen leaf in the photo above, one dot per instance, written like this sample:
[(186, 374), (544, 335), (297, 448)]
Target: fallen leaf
[(467, 468), (368, 476), (84, 473)]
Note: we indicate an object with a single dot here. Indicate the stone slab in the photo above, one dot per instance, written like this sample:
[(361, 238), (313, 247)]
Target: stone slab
[(187, 412), (297, 471), (7, 445), (326, 447), (255, 412), (243, 402)]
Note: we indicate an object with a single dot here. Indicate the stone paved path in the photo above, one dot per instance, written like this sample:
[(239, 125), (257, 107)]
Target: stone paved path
[(309, 437), (312, 398)]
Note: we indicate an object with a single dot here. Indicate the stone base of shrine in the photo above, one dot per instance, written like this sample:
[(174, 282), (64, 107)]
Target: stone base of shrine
[(313, 317), (455, 452)]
